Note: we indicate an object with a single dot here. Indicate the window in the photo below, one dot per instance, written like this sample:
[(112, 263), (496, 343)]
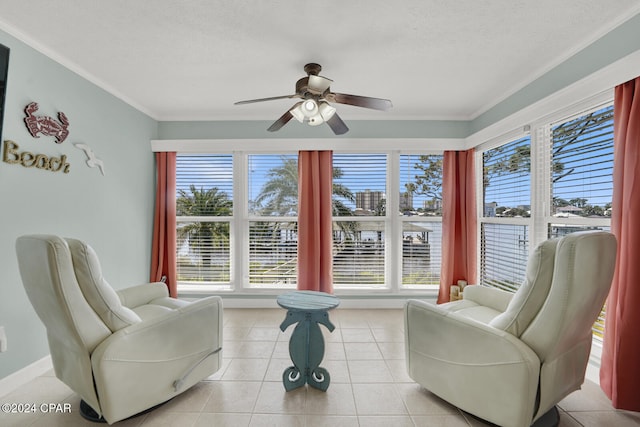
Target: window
[(504, 252), (505, 223), (204, 210), (582, 166), (582, 177), (237, 221), (420, 202), (272, 181), (360, 226)]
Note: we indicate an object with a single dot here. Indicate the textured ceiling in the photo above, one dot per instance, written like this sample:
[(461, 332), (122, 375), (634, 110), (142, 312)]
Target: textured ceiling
[(191, 60)]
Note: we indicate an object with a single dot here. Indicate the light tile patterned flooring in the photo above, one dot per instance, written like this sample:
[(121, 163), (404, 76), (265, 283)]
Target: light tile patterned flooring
[(369, 385)]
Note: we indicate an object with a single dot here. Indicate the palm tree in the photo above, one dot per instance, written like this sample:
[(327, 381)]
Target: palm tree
[(279, 195), (340, 191), (203, 238)]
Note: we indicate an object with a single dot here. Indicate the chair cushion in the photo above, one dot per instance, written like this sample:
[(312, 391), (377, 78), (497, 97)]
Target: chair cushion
[(471, 309), (532, 293), (98, 293)]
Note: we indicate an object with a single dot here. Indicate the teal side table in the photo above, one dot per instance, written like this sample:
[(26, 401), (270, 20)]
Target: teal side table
[(306, 346)]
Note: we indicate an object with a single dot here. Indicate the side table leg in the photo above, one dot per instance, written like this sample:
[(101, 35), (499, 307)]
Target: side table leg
[(318, 377), (306, 348), (292, 378), (296, 376)]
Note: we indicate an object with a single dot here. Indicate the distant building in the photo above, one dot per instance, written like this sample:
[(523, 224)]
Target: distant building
[(490, 209), (433, 204), (368, 200), (406, 201)]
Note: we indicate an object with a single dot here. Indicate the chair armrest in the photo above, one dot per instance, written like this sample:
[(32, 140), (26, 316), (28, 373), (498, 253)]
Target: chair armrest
[(142, 294), (185, 330), (482, 370), (488, 297), (148, 359)]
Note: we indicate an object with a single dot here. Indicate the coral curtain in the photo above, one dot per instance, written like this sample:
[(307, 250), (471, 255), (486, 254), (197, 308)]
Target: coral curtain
[(315, 243), (619, 369), (163, 252), (459, 221)]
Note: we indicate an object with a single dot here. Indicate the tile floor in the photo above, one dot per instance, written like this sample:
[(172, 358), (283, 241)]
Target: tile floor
[(369, 386)]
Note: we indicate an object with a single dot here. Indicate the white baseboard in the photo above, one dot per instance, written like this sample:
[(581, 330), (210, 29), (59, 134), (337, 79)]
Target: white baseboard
[(593, 373), (345, 302), (593, 368), (24, 375)]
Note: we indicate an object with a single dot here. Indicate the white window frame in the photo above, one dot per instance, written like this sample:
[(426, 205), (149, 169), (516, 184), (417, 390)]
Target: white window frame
[(479, 165), (540, 133), (239, 225), (245, 219)]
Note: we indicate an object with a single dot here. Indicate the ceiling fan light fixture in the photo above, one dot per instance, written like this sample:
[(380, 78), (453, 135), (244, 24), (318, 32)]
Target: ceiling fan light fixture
[(297, 113), (318, 84), (316, 120), (326, 111), (309, 108), (307, 111)]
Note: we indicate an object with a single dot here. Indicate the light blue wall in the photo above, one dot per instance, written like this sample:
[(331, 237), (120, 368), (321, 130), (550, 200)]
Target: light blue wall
[(114, 213)]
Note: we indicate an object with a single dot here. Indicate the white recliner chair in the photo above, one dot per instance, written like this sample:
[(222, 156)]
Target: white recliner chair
[(123, 352), (510, 358)]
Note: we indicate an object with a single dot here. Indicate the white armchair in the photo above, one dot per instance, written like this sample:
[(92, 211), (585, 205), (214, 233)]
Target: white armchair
[(123, 352), (510, 358)]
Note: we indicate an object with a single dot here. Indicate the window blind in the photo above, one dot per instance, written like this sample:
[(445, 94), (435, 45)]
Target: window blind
[(504, 253), (421, 253), (273, 254), (582, 177), (582, 165), (204, 208), (420, 202), (504, 242), (203, 173), (359, 184), (359, 253), (359, 242), (272, 184), (507, 179), (421, 184), (203, 251)]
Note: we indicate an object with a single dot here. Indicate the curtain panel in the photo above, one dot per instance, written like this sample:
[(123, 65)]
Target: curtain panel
[(163, 251), (459, 223), (315, 237), (619, 369)]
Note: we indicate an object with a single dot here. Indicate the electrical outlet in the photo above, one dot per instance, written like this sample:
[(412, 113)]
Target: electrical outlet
[(3, 340)]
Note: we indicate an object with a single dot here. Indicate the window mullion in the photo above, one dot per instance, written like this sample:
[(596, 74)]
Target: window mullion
[(393, 255), (240, 239), (540, 182)]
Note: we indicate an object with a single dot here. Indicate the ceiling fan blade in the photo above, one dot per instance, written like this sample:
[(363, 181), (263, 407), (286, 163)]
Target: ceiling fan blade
[(251, 101), (318, 84), (283, 120), (337, 125), (359, 101)]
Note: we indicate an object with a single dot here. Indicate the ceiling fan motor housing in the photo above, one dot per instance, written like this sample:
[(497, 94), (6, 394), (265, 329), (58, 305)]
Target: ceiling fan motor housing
[(312, 68)]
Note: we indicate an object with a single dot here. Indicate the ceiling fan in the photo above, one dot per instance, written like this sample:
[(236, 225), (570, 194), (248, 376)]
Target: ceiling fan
[(314, 108)]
